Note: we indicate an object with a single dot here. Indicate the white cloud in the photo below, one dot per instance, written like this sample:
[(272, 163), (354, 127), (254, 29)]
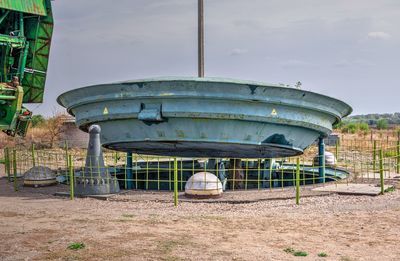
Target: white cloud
[(238, 51), (379, 35)]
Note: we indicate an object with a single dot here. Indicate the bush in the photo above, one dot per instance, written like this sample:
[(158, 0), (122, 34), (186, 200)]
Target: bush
[(37, 120), (382, 124), (338, 125), (350, 128), (76, 246), (363, 126), (353, 127)]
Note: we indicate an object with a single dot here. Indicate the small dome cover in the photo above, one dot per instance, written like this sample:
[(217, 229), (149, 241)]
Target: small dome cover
[(39, 176), (203, 185)]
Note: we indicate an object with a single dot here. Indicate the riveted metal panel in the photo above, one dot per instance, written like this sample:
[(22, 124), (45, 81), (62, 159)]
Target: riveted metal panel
[(37, 7), (205, 117)]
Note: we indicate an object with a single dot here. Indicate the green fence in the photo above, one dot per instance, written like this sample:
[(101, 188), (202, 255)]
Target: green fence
[(144, 172)]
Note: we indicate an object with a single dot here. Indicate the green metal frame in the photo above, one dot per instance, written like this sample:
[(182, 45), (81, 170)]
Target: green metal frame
[(26, 28)]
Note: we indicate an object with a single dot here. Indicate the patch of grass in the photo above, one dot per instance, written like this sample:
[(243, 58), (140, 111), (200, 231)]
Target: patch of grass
[(390, 189), (300, 253), (294, 252), (76, 246), (322, 254), (289, 250)]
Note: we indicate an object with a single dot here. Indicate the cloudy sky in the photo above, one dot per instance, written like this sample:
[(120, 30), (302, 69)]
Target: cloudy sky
[(348, 49)]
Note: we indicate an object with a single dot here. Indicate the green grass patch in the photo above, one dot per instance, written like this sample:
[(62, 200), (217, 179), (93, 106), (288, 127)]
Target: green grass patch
[(390, 189), (294, 252), (322, 254), (300, 253), (289, 250), (76, 246)]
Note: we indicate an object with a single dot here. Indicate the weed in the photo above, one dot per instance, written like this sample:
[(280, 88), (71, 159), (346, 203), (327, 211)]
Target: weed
[(390, 189), (290, 250), (76, 246), (322, 254), (300, 253)]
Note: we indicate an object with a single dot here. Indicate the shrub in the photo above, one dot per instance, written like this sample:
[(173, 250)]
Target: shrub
[(350, 128), (290, 250), (76, 246), (363, 126), (382, 124), (37, 120)]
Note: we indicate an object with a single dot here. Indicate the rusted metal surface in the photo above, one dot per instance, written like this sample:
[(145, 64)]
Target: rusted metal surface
[(37, 7), (204, 117)]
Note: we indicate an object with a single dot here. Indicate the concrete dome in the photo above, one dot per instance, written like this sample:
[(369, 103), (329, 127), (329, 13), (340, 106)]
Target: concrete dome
[(39, 176), (203, 185)]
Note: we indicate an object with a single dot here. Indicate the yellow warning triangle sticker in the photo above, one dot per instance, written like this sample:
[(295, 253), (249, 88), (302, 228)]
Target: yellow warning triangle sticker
[(105, 111), (274, 113)]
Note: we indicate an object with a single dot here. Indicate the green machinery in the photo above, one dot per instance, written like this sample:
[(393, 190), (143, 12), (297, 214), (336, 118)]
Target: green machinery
[(26, 28)]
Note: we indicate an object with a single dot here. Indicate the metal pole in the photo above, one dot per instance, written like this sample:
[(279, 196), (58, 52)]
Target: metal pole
[(337, 150), (200, 38), (71, 178), (374, 157), (398, 157), (66, 160), (129, 170), (381, 171), (7, 165), (33, 155), (175, 182), (297, 181), (321, 159), (15, 170)]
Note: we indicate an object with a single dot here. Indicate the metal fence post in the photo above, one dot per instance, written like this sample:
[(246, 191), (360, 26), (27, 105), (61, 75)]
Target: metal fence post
[(129, 172), (33, 155), (398, 157), (7, 163), (66, 161), (374, 157), (175, 182), (337, 150), (15, 170), (71, 178), (381, 171), (297, 181)]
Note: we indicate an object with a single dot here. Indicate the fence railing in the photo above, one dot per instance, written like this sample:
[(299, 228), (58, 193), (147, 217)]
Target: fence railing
[(145, 172)]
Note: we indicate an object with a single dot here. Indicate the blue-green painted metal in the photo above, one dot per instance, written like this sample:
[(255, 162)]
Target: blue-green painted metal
[(208, 117), (129, 174), (321, 159)]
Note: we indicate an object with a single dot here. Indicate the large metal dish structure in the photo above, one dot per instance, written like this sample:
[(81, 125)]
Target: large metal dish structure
[(204, 117)]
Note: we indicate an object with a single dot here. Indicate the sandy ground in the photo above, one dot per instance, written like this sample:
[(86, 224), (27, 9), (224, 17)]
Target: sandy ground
[(146, 226)]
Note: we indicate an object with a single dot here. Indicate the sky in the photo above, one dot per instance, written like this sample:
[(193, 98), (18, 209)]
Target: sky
[(347, 49)]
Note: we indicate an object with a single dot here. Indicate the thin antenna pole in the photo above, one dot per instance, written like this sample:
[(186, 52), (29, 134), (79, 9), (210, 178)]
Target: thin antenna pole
[(201, 38)]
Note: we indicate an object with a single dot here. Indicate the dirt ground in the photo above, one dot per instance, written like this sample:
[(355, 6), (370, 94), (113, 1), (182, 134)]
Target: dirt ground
[(35, 225)]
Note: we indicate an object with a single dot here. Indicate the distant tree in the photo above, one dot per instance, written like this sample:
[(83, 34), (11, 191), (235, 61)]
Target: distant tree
[(350, 127), (54, 128), (37, 120), (363, 126), (338, 125), (382, 124)]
